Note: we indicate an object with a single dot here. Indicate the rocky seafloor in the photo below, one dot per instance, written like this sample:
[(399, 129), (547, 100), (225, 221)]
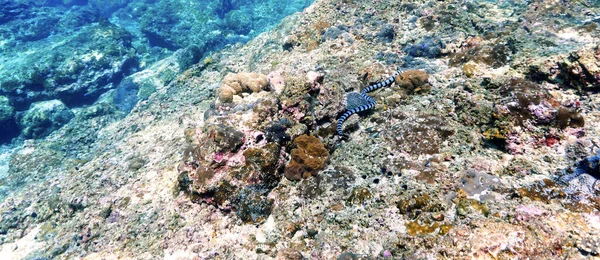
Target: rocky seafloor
[(484, 146)]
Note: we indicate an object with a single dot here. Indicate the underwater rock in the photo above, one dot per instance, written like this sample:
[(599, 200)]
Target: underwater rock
[(290, 42), (393, 190), (68, 3), (347, 256), (276, 82), (239, 21), (386, 34), (212, 150), (478, 184), (415, 204), (186, 57), (125, 95), (36, 28), (78, 17), (526, 107), (276, 132), (569, 117), (77, 71), (314, 79), (6, 110), (293, 96), (11, 10), (582, 69), (589, 244), (579, 69), (584, 177), (308, 158), (173, 24), (522, 94), (140, 85), (107, 8), (261, 165), (251, 204), (220, 170), (360, 195), (428, 47), (424, 134), (8, 126), (390, 58), (494, 55), (334, 32), (43, 118)]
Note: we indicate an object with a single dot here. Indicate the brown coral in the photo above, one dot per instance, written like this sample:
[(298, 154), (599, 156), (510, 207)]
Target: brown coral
[(308, 158), (414, 81), (235, 84)]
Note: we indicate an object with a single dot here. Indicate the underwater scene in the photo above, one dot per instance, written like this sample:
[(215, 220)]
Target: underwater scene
[(299, 129)]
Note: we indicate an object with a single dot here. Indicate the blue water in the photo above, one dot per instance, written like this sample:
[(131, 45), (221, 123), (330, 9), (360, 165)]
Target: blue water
[(74, 51)]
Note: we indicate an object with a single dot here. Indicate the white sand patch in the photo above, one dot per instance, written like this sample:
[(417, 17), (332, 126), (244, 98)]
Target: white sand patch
[(22, 247)]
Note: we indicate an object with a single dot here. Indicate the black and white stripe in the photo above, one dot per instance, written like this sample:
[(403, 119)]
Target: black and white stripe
[(351, 112), (370, 101)]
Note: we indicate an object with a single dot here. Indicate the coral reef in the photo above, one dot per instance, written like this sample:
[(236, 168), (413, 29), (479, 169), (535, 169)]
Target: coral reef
[(307, 158), (8, 127), (44, 117), (236, 84), (413, 81), (78, 50), (428, 47), (220, 170), (484, 147), (584, 177)]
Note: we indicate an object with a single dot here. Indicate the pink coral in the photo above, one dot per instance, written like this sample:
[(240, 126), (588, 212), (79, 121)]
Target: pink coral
[(542, 113), (314, 79), (528, 212), (276, 81)]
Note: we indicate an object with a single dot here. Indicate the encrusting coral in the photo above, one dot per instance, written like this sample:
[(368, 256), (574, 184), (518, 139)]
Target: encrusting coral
[(414, 81), (307, 159)]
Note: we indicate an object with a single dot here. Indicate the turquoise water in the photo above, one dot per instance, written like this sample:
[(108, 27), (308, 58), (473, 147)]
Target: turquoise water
[(72, 52)]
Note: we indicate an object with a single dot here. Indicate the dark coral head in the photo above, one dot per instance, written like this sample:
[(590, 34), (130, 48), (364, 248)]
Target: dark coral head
[(276, 132)]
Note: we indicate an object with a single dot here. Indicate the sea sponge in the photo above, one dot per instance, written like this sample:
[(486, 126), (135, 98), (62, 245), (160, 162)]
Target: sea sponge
[(308, 158), (414, 81), (235, 84), (226, 94)]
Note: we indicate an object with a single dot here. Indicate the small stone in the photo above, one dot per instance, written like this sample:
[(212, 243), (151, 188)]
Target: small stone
[(438, 217), (260, 236), (387, 253)]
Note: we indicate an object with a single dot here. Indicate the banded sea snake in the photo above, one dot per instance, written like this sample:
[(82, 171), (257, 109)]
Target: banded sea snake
[(358, 102)]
